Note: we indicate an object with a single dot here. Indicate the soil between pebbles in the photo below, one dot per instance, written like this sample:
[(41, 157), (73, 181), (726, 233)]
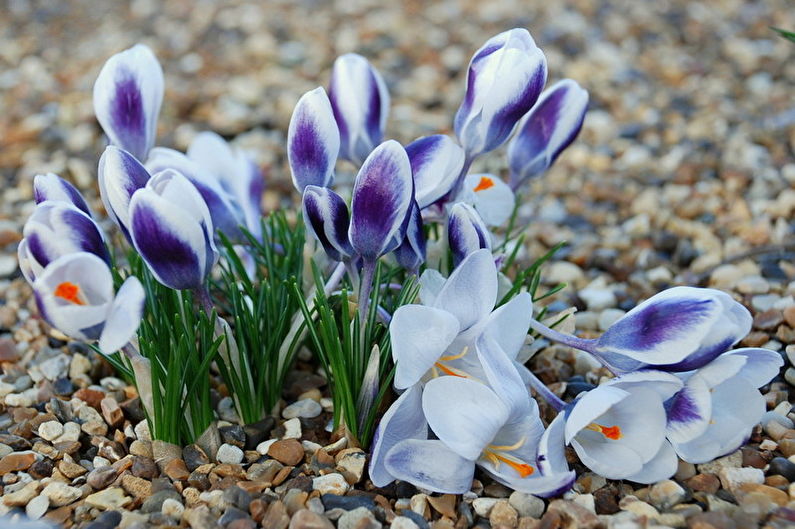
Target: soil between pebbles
[(683, 174)]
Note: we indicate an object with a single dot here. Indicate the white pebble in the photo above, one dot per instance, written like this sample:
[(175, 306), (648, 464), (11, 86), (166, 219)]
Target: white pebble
[(37, 507), (172, 508), (331, 484), (229, 454), (292, 429), (306, 408), (50, 430), (262, 448)]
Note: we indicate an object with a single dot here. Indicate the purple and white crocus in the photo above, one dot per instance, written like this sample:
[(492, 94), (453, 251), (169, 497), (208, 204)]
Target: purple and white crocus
[(52, 187), (360, 101), (436, 162), (313, 141), (127, 96), (550, 127), (466, 232), (171, 229), (75, 295), (120, 175)]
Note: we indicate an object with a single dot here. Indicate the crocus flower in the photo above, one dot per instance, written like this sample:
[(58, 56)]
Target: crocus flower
[(491, 197), (493, 424), (127, 98), (52, 187), (617, 428), (438, 336), (546, 130), (313, 141), (360, 101), (466, 232), (172, 230), (411, 252), (719, 405), (237, 173), (326, 216), (120, 175), (436, 162), (226, 215), (505, 77), (74, 294), (56, 229)]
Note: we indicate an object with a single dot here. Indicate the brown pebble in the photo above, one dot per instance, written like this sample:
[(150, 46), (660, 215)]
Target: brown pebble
[(708, 483), (306, 519), (280, 476), (780, 482), (111, 412), (15, 462), (144, 467), (711, 520), (755, 339), (787, 447), (779, 497), (136, 487), (70, 469), (242, 523), (287, 451), (768, 319), (605, 500), (8, 350), (257, 509), (92, 397), (176, 470), (41, 469), (503, 515), (789, 315), (101, 477), (444, 505), (574, 515), (753, 458), (276, 517)]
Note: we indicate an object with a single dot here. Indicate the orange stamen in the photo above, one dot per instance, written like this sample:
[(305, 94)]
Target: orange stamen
[(485, 183), (447, 370), (611, 432), (70, 292), (523, 469)]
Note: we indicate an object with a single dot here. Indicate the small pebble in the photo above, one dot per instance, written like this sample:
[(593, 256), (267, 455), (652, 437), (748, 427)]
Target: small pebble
[(306, 408), (330, 484), (229, 454)]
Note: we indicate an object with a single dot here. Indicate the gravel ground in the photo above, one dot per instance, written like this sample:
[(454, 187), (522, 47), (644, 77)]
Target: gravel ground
[(683, 174)]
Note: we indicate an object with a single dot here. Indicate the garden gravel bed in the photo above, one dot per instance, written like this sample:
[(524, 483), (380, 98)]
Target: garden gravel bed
[(683, 174)]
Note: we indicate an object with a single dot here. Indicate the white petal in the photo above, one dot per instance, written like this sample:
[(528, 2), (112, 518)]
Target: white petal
[(508, 325), (662, 466), (124, 316), (431, 283), (492, 198), (665, 384), (430, 465), (590, 406), (471, 290), (761, 366)]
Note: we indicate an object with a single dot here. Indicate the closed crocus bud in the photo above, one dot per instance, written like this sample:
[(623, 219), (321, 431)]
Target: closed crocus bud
[(52, 187), (225, 213), (491, 197), (326, 216), (75, 295), (504, 81), (466, 232), (411, 252), (56, 229), (120, 175), (547, 130), (382, 197), (127, 98), (237, 173), (360, 101), (436, 162), (313, 141), (172, 230)]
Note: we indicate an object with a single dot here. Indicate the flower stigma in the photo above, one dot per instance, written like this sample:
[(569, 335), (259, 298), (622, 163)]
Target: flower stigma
[(611, 432), (485, 183), (70, 292)]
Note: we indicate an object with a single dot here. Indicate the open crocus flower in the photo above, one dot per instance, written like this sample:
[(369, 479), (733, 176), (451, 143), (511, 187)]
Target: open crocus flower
[(172, 230), (466, 232), (438, 337), (75, 295), (313, 141), (494, 425), (720, 404), (491, 197), (360, 100), (120, 175), (505, 77), (618, 428), (52, 187), (127, 96), (226, 215), (436, 162), (237, 173), (56, 229), (546, 130)]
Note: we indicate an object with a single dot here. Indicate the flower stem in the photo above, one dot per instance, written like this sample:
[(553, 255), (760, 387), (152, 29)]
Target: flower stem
[(203, 297), (368, 270), (539, 387), (566, 339)]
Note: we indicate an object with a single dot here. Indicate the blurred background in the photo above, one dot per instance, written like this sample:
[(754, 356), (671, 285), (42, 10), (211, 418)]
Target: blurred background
[(685, 161)]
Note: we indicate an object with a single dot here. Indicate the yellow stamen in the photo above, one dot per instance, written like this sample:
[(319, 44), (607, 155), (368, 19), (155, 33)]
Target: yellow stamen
[(447, 370), (70, 292), (485, 183), (508, 448), (455, 357), (611, 432)]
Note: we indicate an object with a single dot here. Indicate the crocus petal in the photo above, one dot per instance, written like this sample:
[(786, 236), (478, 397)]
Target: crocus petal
[(225, 214), (127, 97), (90, 277), (664, 384), (662, 466), (382, 198), (503, 377), (466, 232), (505, 77), (403, 420), (326, 215), (313, 141), (492, 198), (471, 290), (171, 227), (124, 316), (557, 478), (430, 465), (590, 406), (415, 350), (464, 414), (360, 101), (689, 411), (431, 283), (120, 175), (550, 127), (761, 365), (411, 252), (28, 265), (436, 162), (508, 325), (54, 188)]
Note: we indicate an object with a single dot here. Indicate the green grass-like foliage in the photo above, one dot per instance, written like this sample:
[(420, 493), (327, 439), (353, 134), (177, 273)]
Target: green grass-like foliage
[(355, 355), (789, 35)]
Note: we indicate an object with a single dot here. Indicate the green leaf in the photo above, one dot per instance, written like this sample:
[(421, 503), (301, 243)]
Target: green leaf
[(789, 35)]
